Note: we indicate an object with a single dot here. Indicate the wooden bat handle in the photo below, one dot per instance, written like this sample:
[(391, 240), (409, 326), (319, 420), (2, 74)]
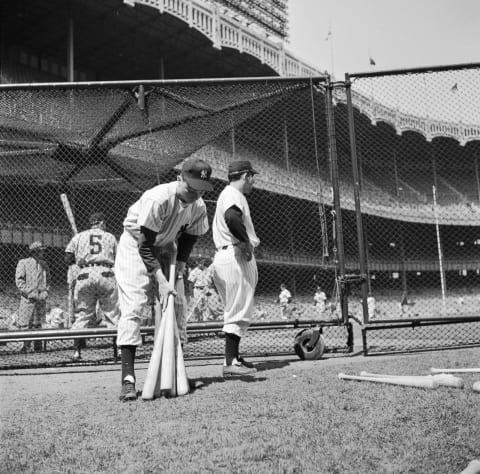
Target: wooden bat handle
[(472, 370), (447, 380), (422, 382), (472, 468)]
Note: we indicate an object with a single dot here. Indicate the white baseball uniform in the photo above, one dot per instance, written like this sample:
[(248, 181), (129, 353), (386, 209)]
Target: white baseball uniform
[(159, 210), (234, 276), (320, 299), (94, 251)]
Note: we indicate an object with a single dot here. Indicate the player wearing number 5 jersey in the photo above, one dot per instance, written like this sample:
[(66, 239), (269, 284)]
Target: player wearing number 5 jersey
[(94, 251)]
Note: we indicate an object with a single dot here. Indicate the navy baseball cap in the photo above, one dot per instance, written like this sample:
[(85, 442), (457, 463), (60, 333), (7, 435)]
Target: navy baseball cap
[(239, 167), (196, 174)]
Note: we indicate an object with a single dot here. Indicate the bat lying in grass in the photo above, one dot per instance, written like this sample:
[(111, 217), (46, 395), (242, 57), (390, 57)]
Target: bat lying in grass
[(446, 380), (433, 370), (407, 380)]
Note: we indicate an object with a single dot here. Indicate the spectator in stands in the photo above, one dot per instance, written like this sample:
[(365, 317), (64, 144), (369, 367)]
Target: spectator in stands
[(319, 300), (55, 319), (371, 303), (285, 299), (32, 278)]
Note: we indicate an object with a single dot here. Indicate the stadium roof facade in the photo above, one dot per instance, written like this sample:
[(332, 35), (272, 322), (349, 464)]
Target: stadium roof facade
[(92, 40)]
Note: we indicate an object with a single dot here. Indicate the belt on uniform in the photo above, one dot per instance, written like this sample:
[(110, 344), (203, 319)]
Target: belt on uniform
[(108, 265), (199, 287), (225, 247)]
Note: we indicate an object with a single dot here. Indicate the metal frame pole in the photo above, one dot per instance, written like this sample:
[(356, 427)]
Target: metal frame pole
[(332, 150), (356, 191)]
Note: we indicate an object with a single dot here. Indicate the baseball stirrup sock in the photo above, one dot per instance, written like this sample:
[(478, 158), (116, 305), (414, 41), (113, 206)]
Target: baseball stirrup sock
[(128, 360), (232, 341)]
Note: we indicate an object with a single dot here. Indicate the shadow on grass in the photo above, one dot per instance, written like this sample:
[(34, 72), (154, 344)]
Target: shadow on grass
[(270, 365), (202, 382)]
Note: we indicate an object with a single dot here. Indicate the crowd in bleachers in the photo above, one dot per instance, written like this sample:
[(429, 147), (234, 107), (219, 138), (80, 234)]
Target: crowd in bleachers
[(298, 182)]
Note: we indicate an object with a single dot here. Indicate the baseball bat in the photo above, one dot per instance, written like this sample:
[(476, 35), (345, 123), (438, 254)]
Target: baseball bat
[(472, 370), (446, 380), (182, 379), (71, 271), (476, 386), (167, 373), (151, 385), (472, 468), (68, 212), (421, 382)]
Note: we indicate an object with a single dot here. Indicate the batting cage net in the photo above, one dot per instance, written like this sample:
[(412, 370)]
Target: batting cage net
[(367, 205), (409, 166), (97, 147)]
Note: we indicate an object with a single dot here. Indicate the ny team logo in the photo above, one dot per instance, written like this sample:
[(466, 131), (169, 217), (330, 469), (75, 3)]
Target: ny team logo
[(203, 174)]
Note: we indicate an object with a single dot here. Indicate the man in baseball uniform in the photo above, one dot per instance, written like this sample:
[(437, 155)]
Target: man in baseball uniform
[(319, 300), (166, 216), (93, 251), (200, 279), (234, 266), (285, 298), (32, 277)]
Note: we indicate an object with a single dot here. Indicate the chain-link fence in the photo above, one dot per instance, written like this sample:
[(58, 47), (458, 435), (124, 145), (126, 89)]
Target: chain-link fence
[(102, 145), (409, 167), (370, 186)]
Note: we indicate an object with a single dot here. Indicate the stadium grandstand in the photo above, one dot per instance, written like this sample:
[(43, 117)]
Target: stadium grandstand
[(102, 100)]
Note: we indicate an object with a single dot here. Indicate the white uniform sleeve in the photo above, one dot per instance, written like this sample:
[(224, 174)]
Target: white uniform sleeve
[(151, 214)]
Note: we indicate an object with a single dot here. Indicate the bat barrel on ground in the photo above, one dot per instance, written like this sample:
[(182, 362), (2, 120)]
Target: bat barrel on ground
[(150, 386), (472, 468), (459, 370), (166, 373), (409, 381), (447, 380), (182, 379)]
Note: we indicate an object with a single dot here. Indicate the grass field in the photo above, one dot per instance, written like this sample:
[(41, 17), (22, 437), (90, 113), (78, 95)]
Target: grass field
[(292, 417)]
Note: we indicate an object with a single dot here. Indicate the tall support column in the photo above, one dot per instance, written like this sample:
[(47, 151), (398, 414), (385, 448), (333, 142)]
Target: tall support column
[(332, 149), (70, 47), (358, 211)]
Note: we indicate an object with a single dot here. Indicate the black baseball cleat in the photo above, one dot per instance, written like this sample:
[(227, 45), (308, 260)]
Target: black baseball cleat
[(128, 392), (247, 364)]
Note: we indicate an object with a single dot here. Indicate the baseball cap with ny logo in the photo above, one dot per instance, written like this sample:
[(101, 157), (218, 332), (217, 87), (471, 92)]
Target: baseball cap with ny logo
[(197, 174)]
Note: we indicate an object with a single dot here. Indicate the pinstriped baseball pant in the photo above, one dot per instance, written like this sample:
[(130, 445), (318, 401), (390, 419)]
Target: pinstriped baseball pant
[(235, 279), (133, 282)]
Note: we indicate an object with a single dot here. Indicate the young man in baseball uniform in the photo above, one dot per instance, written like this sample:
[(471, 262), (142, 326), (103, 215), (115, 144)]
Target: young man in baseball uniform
[(93, 251), (199, 277), (167, 216), (320, 300), (234, 266), (285, 298)]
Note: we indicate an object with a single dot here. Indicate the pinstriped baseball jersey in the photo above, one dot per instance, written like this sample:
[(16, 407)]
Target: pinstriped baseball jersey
[(229, 197), (93, 246), (160, 210)]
